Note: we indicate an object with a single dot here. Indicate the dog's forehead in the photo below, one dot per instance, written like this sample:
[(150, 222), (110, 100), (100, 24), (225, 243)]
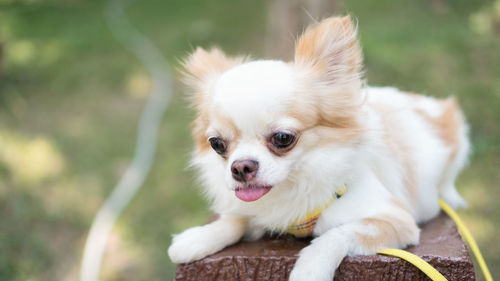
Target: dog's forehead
[(253, 89)]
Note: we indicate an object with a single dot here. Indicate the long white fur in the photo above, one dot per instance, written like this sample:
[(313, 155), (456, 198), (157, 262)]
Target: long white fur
[(252, 95)]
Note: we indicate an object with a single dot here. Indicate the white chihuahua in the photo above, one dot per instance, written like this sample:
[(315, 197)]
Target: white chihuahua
[(304, 148)]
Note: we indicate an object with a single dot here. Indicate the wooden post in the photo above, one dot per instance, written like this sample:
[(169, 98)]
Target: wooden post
[(272, 258)]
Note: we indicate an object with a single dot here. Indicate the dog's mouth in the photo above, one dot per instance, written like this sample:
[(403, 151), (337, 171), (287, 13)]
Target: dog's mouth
[(249, 193)]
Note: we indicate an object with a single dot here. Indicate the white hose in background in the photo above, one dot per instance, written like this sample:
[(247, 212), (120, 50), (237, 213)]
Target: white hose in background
[(145, 148)]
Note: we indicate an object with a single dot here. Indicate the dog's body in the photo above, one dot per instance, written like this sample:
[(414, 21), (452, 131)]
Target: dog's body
[(287, 136)]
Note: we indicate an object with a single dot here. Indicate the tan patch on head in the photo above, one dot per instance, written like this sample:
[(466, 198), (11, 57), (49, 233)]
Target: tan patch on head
[(342, 128), (306, 114), (334, 126), (215, 116), (323, 136), (325, 132), (227, 123), (447, 124)]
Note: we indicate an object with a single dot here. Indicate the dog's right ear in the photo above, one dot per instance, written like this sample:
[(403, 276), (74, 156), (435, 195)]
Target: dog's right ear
[(202, 68)]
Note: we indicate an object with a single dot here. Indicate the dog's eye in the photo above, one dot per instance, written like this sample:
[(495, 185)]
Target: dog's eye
[(282, 140), (218, 145)]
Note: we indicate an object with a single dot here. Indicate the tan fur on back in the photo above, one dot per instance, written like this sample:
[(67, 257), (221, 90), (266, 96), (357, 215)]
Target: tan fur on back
[(447, 124), (397, 145)]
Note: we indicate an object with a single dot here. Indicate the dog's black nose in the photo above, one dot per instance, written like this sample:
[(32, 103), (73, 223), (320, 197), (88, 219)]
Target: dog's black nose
[(244, 170)]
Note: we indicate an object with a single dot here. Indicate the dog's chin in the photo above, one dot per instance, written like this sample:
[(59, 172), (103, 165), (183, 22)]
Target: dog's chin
[(251, 192)]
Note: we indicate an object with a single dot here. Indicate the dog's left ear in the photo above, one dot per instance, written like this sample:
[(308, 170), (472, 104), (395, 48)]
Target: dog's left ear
[(331, 49)]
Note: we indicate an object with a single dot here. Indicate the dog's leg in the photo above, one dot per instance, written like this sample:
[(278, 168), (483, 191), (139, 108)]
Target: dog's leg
[(365, 236), (198, 242), (253, 233)]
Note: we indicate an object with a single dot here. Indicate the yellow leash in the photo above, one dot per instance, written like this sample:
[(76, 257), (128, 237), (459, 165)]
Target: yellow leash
[(416, 261), (468, 237), (425, 267)]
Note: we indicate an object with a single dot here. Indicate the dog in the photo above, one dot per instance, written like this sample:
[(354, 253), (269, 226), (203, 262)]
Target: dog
[(306, 148)]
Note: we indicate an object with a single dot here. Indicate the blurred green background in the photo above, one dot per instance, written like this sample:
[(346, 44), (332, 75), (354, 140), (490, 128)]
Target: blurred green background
[(71, 95)]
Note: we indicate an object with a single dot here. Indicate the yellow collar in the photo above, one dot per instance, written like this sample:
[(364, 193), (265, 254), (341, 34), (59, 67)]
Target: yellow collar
[(304, 227)]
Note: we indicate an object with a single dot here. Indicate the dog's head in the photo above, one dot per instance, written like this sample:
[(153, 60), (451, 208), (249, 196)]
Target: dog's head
[(261, 123)]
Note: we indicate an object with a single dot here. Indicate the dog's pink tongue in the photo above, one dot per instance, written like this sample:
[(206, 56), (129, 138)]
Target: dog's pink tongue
[(252, 194)]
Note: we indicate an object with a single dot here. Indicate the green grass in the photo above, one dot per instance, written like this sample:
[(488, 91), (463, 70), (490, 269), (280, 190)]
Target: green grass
[(71, 95)]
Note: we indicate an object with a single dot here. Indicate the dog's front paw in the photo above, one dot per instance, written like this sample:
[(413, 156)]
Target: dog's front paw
[(312, 266), (311, 272), (191, 245)]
